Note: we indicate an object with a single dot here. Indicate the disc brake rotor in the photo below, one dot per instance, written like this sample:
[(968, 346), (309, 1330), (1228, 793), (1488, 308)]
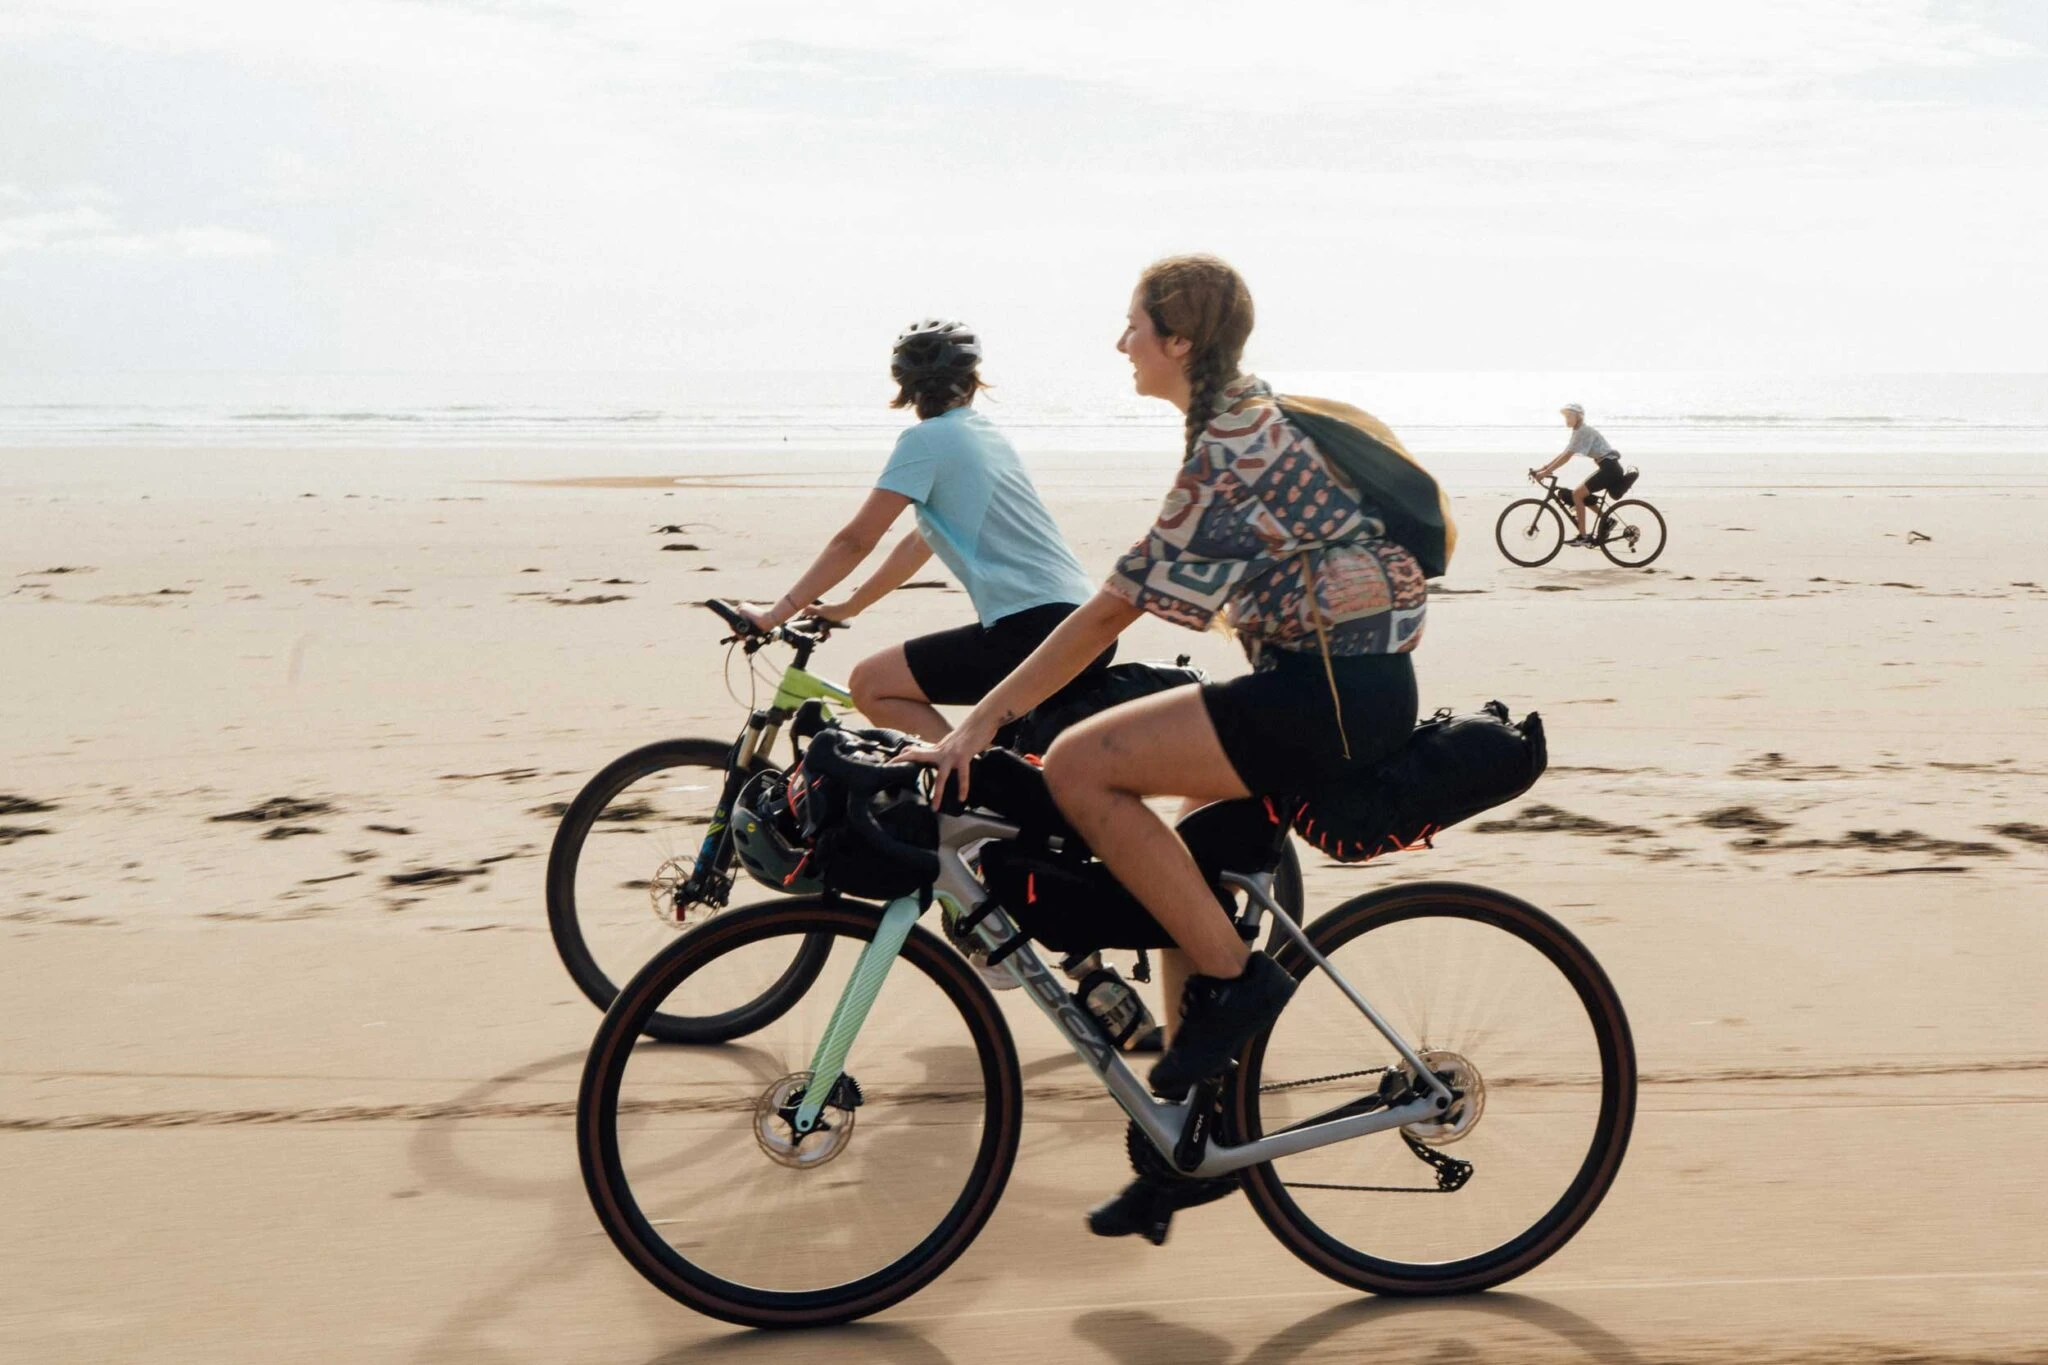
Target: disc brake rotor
[(775, 1125), (1466, 1084), (662, 887)]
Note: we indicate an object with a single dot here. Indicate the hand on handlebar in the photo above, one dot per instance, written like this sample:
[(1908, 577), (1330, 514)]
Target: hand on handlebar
[(755, 617), (834, 614), (952, 756)]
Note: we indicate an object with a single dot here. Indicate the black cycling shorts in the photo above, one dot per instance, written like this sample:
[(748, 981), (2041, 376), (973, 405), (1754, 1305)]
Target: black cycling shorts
[(1608, 478), (1279, 728), (959, 667)]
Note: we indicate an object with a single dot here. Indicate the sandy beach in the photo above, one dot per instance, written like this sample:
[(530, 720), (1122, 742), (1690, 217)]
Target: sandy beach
[(290, 1062)]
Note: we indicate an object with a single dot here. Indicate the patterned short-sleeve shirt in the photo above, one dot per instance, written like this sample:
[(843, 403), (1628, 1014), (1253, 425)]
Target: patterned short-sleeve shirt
[(1255, 520)]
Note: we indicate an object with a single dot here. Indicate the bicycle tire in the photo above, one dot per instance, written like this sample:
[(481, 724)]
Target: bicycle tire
[(597, 1113), (1534, 508), (566, 927), (1287, 894), (1607, 543), (1595, 1174)]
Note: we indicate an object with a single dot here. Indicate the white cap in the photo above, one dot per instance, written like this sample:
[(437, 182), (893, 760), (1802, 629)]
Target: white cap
[(1573, 407)]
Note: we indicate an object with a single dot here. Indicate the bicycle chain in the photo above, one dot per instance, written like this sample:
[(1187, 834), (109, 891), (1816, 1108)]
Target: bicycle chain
[(1451, 1173), (1318, 1080)]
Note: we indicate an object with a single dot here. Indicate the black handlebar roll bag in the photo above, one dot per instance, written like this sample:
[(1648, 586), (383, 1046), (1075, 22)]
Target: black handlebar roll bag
[(866, 823), (1451, 769), (1407, 497)]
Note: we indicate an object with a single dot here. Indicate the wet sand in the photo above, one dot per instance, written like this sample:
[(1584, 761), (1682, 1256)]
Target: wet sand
[(291, 1060)]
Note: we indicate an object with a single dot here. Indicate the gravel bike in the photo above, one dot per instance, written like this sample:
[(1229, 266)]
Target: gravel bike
[(645, 852), (1440, 1107), (1627, 530)]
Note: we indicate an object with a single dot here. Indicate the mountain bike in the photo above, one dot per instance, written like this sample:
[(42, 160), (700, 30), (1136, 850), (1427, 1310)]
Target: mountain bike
[(1627, 530), (645, 852), (1440, 1107)]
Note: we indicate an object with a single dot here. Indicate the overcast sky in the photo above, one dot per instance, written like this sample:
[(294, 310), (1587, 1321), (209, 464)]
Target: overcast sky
[(505, 185)]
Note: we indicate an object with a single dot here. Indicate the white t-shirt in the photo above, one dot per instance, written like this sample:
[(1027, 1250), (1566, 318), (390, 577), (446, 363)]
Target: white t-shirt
[(1586, 441)]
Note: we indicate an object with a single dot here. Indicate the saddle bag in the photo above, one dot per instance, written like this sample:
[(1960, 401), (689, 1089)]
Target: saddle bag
[(1450, 770), (1090, 695)]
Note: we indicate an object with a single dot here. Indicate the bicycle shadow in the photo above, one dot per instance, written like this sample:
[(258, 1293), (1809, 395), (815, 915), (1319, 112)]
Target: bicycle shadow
[(853, 1344), (1137, 1336), (441, 1166)]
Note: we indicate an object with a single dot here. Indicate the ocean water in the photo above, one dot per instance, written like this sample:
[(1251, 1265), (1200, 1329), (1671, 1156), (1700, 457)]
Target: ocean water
[(1478, 430)]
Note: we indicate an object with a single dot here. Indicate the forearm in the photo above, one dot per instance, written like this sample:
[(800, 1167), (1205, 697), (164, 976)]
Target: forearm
[(1056, 662), (907, 558), (840, 557)]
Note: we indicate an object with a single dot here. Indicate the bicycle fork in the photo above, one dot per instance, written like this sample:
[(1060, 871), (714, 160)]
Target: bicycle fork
[(828, 1063)]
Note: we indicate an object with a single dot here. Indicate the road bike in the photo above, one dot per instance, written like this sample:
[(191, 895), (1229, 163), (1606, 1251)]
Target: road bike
[(1440, 1107), (1627, 530), (645, 850)]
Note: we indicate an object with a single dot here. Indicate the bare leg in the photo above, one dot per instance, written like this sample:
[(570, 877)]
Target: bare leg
[(1579, 507), (1173, 974), (1174, 970), (1100, 772), (889, 696)]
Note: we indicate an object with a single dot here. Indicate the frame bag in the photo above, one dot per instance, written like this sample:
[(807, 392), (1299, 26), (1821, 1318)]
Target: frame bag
[(1451, 769)]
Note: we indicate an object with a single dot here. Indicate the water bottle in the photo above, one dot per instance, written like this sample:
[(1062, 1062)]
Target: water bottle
[(1110, 999)]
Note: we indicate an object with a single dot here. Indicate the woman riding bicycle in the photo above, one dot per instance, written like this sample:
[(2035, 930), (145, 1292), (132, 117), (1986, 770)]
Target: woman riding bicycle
[(1260, 537), (978, 510)]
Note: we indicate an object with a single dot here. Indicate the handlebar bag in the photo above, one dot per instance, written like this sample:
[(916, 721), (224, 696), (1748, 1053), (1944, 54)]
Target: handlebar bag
[(1450, 770), (874, 844)]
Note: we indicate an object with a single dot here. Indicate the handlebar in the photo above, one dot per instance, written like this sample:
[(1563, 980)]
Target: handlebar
[(805, 634), (828, 755), (855, 760)]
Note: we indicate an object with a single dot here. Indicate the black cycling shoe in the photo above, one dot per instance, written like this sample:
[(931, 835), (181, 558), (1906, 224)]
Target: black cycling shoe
[(1147, 1205), (1218, 1017)]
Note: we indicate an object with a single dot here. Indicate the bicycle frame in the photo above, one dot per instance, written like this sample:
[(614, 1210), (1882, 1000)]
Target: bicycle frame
[(797, 687), (1163, 1122)]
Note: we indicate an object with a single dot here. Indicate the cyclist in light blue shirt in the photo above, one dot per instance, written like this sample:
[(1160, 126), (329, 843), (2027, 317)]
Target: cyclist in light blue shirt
[(978, 510)]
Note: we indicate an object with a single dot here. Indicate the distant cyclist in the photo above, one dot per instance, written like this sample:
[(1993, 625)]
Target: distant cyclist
[(979, 511), (1607, 476)]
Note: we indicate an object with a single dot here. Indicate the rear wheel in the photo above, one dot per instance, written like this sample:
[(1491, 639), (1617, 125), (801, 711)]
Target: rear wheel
[(1632, 533), (694, 1166), (628, 839), (1530, 532), (1504, 1004)]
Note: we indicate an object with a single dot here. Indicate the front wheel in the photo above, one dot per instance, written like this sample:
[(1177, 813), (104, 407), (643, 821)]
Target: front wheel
[(694, 1164), (1530, 532), (1510, 1010), (1632, 534), (628, 839)]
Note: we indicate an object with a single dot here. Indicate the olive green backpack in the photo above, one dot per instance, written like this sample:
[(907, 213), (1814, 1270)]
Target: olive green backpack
[(1409, 500)]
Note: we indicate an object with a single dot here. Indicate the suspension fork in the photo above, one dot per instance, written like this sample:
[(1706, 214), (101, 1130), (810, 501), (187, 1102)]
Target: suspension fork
[(714, 855)]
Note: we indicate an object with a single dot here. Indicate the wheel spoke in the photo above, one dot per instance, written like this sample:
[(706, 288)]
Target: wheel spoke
[(1495, 1016), (701, 1148)]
